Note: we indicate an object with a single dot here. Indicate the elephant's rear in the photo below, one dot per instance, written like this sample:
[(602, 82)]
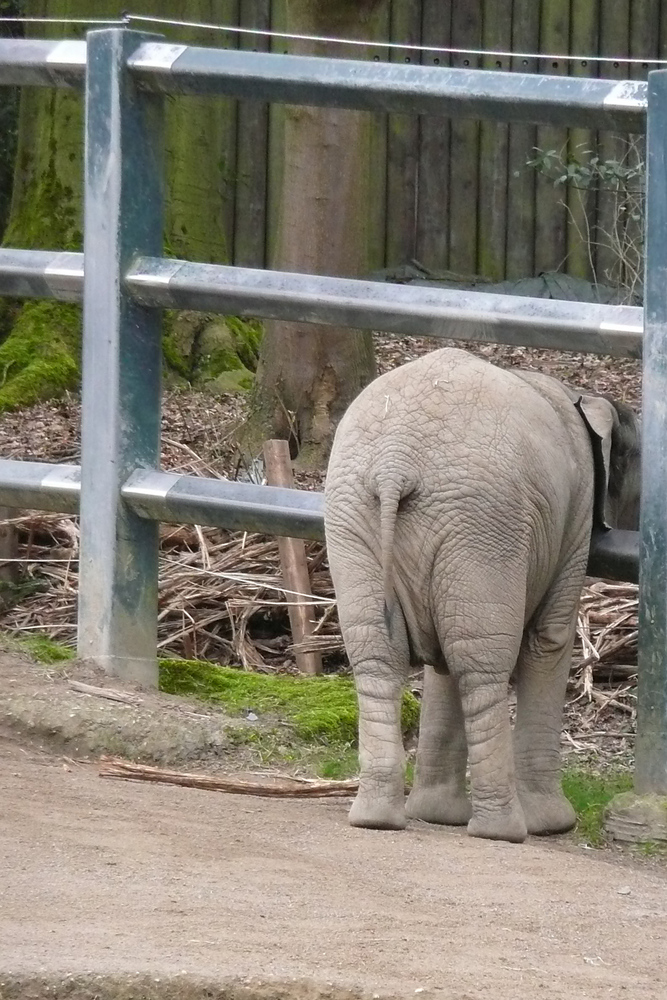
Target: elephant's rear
[(435, 470)]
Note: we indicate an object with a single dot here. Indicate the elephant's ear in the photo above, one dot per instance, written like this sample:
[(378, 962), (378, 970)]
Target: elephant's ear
[(600, 417)]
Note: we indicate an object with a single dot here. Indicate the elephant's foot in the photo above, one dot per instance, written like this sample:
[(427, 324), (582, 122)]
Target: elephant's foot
[(439, 804), (547, 812), (502, 824), (377, 813)]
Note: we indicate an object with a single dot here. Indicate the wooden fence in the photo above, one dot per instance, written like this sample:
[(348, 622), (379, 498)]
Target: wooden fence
[(460, 195), (456, 196)]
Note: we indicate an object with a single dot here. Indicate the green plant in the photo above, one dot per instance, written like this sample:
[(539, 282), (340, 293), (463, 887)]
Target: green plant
[(338, 765), (589, 792), (651, 849), (47, 651), (624, 178), (40, 357), (40, 647), (319, 709)]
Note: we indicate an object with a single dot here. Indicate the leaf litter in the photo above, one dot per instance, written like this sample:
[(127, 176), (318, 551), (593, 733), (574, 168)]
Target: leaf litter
[(221, 595)]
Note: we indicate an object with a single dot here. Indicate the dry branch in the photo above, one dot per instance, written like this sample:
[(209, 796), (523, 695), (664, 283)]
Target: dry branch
[(108, 693), (113, 767)]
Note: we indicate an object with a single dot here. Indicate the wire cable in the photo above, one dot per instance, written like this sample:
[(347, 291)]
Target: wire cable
[(129, 18), (64, 20)]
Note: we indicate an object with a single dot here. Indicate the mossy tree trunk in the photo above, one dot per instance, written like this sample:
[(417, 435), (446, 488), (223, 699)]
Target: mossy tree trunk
[(40, 355), (8, 115), (325, 195)]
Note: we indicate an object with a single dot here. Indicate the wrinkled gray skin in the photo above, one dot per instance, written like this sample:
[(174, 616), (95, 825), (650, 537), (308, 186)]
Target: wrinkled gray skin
[(459, 504)]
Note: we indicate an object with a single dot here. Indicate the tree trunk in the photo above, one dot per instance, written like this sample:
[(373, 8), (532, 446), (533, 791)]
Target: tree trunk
[(40, 356), (8, 116), (327, 200), (9, 119)]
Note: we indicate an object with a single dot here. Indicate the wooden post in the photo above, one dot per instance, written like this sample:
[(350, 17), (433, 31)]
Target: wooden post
[(8, 546), (292, 560)]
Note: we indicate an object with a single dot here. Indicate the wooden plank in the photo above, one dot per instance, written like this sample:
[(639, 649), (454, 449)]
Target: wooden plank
[(581, 146), (614, 41), (464, 149), (293, 562), (645, 15), (201, 131), (379, 28), (252, 151), (520, 246), (644, 36), (403, 144), (662, 33), (434, 134), (276, 148), (493, 150), (551, 211)]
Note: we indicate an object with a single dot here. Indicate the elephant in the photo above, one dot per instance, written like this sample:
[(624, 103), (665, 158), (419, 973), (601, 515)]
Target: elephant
[(459, 503)]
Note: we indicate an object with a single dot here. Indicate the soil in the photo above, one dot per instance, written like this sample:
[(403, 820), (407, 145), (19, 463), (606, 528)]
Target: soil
[(38, 705), (128, 890), (123, 889)]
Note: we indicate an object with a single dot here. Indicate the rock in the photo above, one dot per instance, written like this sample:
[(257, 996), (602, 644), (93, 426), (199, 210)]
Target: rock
[(636, 818)]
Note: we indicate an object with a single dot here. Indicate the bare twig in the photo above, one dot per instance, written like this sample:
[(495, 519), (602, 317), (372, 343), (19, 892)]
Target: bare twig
[(108, 693), (113, 767)]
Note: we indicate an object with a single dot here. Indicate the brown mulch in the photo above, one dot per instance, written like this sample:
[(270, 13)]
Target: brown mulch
[(221, 596)]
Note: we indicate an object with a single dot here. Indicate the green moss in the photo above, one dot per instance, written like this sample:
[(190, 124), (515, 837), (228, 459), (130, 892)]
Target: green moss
[(239, 380), (589, 793), (216, 351), (49, 213), (211, 352), (247, 336), (45, 650), (320, 709), (40, 357), (9, 310), (39, 647), (177, 360)]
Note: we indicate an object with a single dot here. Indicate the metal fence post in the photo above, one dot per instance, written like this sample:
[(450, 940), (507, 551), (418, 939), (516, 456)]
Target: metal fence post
[(121, 362), (651, 746)]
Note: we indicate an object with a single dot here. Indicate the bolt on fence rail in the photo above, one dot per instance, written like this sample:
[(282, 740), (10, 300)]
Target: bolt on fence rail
[(119, 489)]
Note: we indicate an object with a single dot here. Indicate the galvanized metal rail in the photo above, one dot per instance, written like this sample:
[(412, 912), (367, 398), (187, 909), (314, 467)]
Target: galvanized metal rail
[(401, 309), (41, 274), (377, 86), (120, 493), (617, 105), (36, 63), (366, 305), (224, 503)]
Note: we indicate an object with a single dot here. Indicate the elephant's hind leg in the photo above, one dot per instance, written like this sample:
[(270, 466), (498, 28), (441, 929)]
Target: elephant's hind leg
[(439, 791), (542, 672), (379, 656), (480, 624)]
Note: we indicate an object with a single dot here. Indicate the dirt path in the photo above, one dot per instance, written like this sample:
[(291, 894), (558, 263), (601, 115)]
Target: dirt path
[(121, 878)]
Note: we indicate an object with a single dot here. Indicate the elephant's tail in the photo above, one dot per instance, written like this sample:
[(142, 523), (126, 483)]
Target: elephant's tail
[(390, 494)]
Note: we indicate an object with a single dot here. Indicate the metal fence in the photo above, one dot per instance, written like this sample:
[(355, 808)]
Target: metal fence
[(120, 492)]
